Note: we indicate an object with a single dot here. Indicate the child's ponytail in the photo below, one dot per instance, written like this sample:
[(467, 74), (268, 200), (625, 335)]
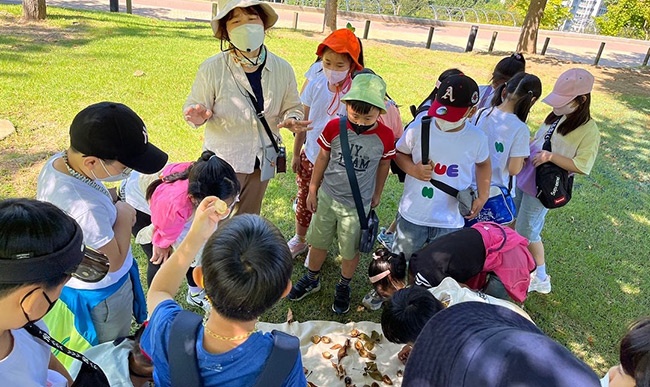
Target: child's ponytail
[(212, 176), (530, 89), (166, 179)]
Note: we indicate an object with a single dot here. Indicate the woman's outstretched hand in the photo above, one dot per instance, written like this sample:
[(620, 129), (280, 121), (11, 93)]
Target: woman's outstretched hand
[(295, 126), (197, 114)]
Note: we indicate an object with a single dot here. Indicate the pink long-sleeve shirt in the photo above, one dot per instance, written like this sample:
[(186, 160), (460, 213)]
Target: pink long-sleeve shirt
[(171, 207)]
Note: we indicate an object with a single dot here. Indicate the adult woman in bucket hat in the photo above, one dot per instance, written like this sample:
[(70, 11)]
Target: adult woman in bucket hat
[(574, 146), (231, 86)]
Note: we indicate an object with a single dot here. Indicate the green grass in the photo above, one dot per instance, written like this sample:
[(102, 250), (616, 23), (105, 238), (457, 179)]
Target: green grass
[(596, 247)]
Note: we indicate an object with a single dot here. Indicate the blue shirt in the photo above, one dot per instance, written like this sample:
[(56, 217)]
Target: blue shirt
[(238, 367)]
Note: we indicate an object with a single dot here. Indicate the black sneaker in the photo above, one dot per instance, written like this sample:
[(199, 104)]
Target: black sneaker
[(341, 303), (303, 288)]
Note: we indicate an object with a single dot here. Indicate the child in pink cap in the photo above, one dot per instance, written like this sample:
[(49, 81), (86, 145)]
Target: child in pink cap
[(574, 144)]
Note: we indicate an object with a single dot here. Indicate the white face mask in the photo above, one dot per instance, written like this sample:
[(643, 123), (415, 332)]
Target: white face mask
[(334, 76), (604, 382), (247, 37), (112, 178), (566, 109), (446, 126)]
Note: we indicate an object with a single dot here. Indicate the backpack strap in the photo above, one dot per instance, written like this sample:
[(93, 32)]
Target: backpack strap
[(181, 349), (424, 140), (279, 364), (349, 169)]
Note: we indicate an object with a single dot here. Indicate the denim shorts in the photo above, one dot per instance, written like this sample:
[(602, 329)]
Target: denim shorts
[(410, 237), (335, 219), (530, 216)]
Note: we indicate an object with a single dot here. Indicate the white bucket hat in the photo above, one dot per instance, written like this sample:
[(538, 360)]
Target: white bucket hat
[(225, 6)]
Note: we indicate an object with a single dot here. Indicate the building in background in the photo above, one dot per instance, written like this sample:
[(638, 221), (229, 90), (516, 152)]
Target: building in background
[(584, 12)]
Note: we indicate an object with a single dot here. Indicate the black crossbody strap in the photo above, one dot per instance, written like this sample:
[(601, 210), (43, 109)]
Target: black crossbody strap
[(281, 360), (44, 336), (549, 133), (260, 115), (181, 350), (349, 168), (424, 137)]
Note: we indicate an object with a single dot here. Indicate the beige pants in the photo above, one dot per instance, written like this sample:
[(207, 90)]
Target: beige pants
[(252, 193)]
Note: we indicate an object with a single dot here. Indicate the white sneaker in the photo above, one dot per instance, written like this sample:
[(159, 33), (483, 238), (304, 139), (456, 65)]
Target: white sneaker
[(199, 300), (539, 286), (296, 247)]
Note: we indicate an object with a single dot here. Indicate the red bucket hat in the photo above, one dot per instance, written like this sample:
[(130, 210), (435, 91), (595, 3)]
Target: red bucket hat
[(342, 41)]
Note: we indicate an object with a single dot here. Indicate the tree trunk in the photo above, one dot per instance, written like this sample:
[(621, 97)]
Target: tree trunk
[(528, 37), (34, 10), (331, 7)]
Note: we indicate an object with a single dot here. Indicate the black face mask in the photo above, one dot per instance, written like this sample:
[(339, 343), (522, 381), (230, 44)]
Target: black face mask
[(358, 129), (49, 308)]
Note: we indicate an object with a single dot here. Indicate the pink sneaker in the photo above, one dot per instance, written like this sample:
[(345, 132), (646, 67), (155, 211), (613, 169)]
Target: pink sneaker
[(296, 247)]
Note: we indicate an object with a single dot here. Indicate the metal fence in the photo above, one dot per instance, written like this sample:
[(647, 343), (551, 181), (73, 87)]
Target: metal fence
[(395, 8)]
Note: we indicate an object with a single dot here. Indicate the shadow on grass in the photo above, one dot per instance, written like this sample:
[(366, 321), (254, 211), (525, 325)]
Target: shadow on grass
[(73, 28)]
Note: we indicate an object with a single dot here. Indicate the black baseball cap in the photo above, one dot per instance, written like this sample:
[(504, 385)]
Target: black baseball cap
[(456, 95), (112, 131), (74, 259)]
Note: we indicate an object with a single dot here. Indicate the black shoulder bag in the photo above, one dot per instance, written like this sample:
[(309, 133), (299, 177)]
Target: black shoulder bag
[(369, 224), (554, 184), (184, 365), (465, 197), (90, 374)]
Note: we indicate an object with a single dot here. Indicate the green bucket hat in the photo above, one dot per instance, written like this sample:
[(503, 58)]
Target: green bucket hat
[(368, 88)]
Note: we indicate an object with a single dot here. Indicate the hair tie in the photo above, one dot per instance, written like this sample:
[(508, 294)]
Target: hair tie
[(380, 276)]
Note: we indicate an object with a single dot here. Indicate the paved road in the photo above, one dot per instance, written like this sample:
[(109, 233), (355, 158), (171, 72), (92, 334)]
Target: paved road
[(572, 47)]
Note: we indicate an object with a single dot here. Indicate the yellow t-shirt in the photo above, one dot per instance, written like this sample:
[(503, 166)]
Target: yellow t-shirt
[(581, 145)]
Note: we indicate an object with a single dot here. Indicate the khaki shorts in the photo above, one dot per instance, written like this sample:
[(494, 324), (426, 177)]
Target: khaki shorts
[(333, 218)]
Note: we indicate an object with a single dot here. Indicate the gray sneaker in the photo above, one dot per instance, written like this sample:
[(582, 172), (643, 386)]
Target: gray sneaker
[(386, 239), (372, 300)]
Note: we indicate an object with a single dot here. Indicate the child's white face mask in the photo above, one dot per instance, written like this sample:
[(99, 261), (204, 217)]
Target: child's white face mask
[(566, 109), (446, 126), (335, 77)]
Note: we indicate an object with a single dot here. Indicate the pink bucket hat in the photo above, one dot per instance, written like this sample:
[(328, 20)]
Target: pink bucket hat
[(569, 85)]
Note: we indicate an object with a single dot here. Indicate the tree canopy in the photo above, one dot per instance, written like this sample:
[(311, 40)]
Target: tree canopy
[(628, 18)]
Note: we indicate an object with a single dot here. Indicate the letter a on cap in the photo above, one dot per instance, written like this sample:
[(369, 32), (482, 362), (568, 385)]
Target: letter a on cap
[(449, 94)]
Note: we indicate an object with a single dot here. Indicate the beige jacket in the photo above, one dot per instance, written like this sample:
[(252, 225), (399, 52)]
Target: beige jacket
[(232, 132)]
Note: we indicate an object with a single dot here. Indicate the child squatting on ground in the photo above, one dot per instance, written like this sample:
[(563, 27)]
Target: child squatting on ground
[(330, 196)]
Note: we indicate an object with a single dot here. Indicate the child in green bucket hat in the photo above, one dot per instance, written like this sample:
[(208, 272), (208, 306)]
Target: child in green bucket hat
[(330, 196)]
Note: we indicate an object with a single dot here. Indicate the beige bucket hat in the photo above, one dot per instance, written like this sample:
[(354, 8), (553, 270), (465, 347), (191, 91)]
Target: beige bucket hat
[(225, 6)]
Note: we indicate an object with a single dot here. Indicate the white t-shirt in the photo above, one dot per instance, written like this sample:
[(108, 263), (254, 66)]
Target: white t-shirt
[(315, 70), (319, 98), (454, 156), (26, 365), (91, 208), (133, 194), (507, 137)]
